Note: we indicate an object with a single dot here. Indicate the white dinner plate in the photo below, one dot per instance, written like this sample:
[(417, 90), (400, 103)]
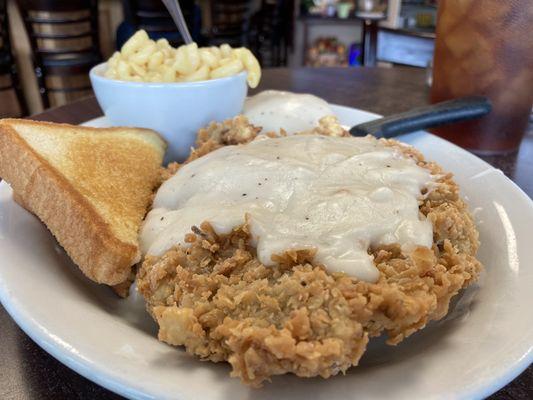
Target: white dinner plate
[(485, 342)]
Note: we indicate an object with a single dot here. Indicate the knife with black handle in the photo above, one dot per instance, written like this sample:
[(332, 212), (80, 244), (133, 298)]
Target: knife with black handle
[(446, 112)]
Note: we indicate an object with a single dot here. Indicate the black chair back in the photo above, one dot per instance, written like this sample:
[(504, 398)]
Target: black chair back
[(12, 101), (271, 33), (230, 22), (153, 17), (65, 43)]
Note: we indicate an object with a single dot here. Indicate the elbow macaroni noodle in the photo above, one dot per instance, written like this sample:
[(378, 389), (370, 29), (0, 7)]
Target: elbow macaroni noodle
[(144, 60)]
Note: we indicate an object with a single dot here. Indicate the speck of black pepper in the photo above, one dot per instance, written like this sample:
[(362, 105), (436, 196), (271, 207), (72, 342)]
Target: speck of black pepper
[(388, 166), (304, 283), (277, 158), (244, 194), (162, 218), (266, 179), (259, 183), (307, 218), (193, 175), (257, 198)]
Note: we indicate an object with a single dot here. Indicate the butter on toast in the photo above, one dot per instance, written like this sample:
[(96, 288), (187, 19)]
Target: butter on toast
[(90, 186)]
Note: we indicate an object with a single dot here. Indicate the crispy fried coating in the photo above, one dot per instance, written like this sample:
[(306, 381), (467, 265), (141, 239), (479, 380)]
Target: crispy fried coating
[(216, 299)]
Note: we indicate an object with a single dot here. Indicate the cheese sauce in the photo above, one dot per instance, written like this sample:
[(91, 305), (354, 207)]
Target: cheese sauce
[(339, 196), (294, 112)]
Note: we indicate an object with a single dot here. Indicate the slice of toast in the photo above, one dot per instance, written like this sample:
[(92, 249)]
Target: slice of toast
[(90, 186)]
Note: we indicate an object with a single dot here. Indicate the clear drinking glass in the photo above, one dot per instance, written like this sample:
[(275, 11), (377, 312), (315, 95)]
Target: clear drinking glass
[(485, 47)]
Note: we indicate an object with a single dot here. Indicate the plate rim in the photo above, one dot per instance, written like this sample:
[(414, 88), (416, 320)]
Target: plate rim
[(116, 383)]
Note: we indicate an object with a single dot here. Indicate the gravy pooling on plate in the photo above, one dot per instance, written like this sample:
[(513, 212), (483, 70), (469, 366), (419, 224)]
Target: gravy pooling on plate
[(338, 196)]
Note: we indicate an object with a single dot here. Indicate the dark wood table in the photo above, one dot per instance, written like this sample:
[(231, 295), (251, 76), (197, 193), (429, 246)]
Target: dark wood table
[(27, 372)]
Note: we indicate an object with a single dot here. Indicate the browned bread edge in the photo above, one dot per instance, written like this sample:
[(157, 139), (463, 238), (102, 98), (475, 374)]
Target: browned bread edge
[(7, 121), (74, 222)]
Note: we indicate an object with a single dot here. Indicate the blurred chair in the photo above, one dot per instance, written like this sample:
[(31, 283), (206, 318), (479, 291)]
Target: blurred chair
[(65, 45), (271, 32), (12, 101), (230, 22), (153, 17)]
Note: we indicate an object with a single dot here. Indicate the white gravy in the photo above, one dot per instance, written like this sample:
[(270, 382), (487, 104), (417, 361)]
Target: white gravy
[(294, 112), (336, 195)]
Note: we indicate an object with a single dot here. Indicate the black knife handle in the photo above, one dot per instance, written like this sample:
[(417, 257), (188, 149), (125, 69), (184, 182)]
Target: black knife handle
[(446, 112)]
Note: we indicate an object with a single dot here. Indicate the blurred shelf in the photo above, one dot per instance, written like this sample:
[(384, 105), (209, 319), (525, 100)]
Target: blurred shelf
[(415, 3), (320, 20), (368, 21), (412, 47), (418, 32)]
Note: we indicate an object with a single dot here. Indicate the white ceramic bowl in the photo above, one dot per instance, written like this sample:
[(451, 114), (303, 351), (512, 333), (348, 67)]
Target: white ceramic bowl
[(175, 110)]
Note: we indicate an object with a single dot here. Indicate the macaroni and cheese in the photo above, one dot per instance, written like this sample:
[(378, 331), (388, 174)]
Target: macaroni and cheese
[(144, 60)]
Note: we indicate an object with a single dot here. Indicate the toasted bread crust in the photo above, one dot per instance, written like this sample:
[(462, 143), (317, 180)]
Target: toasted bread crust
[(75, 223), (7, 121)]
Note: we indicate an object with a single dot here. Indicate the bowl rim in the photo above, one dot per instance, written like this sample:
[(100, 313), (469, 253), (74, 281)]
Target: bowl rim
[(95, 74)]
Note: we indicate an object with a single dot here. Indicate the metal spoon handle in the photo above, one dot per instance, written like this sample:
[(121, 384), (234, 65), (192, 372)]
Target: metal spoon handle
[(446, 112), (173, 7)]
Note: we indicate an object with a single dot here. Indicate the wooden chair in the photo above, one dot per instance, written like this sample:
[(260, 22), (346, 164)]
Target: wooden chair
[(230, 22), (153, 17), (12, 101), (65, 44), (271, 32)]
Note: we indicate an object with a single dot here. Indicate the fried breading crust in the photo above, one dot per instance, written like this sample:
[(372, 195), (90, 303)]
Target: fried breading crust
[(216, 299)]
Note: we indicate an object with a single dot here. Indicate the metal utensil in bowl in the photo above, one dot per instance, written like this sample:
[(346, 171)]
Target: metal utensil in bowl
[(173, 7)]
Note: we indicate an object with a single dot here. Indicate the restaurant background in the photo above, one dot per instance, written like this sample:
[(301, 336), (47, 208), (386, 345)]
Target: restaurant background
[(290, 33)]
